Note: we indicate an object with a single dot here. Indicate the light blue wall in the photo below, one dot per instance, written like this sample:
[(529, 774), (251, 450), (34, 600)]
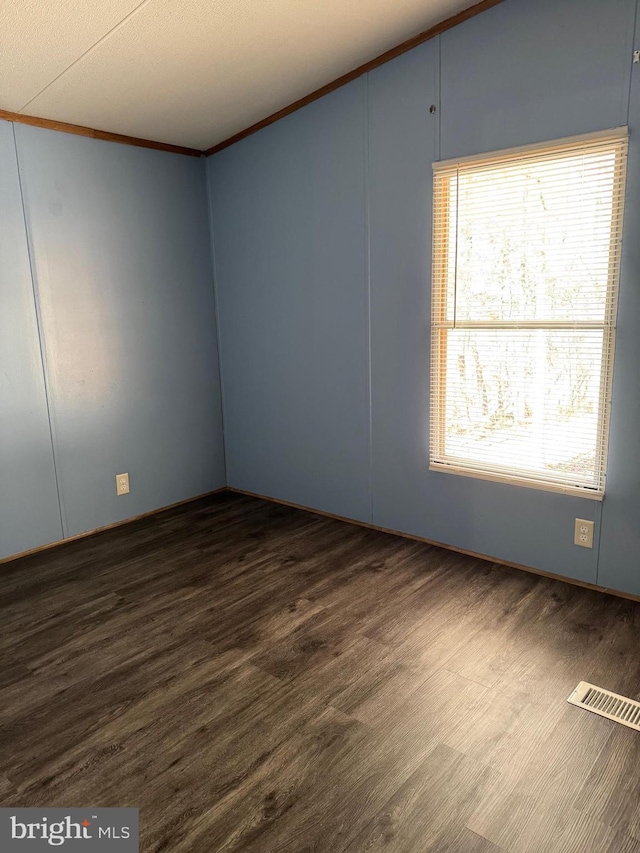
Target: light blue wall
[(122, 278), (122, 272), (521, 72), (526, 72), (29, 514), (290, 254)]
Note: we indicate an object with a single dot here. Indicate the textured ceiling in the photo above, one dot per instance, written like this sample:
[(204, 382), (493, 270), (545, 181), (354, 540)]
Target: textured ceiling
[(189, 72)]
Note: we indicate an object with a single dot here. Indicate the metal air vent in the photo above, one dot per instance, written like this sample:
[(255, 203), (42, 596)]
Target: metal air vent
[(607, 704)]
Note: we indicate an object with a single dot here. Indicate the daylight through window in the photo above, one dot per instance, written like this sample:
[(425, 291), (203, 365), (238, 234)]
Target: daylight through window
[(525, 274)]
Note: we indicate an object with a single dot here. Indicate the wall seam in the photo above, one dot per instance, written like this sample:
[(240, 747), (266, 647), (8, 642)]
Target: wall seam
[(438, 135), (634, 29), (367, 261), (35, 291), (214, 275)]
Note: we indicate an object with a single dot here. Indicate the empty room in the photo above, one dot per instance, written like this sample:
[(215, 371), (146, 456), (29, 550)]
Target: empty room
[(320, 426)]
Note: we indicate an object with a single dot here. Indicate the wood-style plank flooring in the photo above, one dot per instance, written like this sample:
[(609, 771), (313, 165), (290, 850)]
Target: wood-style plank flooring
[(256, 678)]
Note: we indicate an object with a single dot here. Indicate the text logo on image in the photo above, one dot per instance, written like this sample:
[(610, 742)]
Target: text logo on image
[(86, 830)]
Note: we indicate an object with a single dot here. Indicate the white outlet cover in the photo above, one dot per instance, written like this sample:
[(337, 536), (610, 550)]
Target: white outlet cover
[(583, 533), (122, 484)]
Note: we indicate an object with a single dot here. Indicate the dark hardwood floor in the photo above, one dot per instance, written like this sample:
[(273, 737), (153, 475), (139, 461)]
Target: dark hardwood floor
[(256, 678)]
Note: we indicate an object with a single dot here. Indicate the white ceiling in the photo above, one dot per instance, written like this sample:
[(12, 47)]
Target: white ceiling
[(190, 72)]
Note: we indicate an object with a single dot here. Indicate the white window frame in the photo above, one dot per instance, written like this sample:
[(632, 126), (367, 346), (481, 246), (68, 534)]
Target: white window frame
[(440, 325)]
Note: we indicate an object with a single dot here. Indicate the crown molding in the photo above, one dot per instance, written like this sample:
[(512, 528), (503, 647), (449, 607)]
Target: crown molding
[(79, 130)]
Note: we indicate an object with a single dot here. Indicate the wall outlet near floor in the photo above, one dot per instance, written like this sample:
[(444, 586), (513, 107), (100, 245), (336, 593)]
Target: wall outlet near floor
[(583, 533), (122, 484)]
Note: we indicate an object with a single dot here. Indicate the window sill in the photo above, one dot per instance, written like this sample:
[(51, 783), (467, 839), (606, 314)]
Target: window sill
[(511, 480)]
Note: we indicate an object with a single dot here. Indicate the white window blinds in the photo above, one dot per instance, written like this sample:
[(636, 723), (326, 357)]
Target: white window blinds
[(524, 293)]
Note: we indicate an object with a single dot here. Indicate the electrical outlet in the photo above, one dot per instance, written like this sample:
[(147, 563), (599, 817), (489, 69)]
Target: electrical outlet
[(122, 484), (583, 534)]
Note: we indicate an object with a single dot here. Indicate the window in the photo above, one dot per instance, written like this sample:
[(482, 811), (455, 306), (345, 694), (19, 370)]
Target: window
[(525, 275)]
